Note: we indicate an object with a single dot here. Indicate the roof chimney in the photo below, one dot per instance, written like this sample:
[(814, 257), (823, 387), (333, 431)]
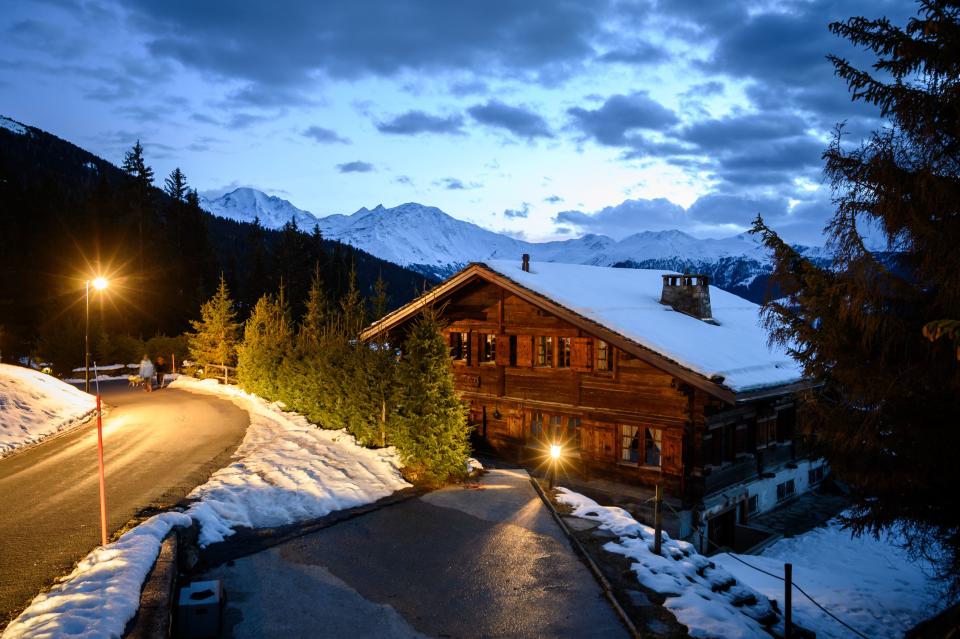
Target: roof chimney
[(689, 294), (526, 263)]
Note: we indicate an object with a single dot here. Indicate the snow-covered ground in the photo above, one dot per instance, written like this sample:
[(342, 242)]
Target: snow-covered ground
[(285, 470), (704, 597), (34, 405), (869, 583)]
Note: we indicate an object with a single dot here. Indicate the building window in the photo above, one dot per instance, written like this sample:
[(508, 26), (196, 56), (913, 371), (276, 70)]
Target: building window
[(652, 446), (640, 445), (489, 348), (556, 426), (536, 425), (786, 424), (513, 350), (563, 352), (753, 504), (766, 432), (815, 475), (544, 350), (460, 346), (573, 434), (785, 490), (603, 356)]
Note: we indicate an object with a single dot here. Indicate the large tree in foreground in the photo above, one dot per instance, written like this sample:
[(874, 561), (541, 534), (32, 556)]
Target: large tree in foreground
[(888, 414)]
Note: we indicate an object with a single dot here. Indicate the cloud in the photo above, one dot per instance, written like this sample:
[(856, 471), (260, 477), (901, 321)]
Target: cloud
[(344, 39), (403, 179), (523, 212), (324, 136), (518, 121), (245, 120), (355, 167), (641, 53), (627, 218), (553, 199), (621, 114), (415, 122), (455, 184)]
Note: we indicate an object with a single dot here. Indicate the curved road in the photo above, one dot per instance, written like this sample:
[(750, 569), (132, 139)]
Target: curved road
[(157, 448)]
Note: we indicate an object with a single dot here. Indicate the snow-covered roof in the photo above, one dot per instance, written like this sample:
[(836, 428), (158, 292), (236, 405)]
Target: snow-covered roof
[(627, 301)]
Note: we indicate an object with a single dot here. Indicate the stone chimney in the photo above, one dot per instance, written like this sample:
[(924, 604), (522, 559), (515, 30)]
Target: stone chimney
[(688, 294), (526, 263)]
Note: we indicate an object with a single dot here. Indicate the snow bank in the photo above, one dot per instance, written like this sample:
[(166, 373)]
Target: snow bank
[(869, 583), (287, 470), (103, 593), (34, 406), (710, 601)]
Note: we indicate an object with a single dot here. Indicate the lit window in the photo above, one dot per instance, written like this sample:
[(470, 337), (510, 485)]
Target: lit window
[(630, 445), (652, 447), (489, 348), (460, 346), (563, 352), (603, 356), (544, 350)]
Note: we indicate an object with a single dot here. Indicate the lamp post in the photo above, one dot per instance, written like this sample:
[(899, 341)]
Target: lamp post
[(99, 283)]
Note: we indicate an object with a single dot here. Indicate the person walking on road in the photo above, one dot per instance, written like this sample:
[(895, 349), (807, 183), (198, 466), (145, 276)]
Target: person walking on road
[(146, 373), (161, 368)]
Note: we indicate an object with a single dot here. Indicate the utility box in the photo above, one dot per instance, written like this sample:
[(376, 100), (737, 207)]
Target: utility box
[(199, 611)]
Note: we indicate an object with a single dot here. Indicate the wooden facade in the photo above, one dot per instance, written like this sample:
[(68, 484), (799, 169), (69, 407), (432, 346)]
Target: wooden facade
[(535, 373)]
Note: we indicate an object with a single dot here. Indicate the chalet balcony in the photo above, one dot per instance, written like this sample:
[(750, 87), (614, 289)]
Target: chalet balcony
[(729, 473), (773, 457)]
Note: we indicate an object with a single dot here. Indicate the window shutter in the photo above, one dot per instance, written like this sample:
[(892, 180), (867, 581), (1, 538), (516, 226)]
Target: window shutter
[(503, 350), (671, 453), (524, 350), (581, 354)]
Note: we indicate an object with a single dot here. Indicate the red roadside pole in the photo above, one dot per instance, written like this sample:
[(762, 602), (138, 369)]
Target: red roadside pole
[(103, 483)]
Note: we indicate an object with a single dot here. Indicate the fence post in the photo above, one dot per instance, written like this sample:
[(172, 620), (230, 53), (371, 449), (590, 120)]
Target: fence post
[(657, 519), (787, 601)]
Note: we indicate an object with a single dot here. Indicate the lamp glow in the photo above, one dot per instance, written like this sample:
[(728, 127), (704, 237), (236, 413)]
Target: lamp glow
[(555, 450), (99, 283)]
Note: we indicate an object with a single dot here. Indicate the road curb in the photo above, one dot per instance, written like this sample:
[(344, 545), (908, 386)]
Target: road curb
[(588, 560), (154, 618)]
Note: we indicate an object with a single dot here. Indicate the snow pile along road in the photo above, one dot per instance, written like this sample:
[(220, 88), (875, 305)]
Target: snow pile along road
[(102, 593), (34, 405), (707, 599), (869, 583), (287, 470)]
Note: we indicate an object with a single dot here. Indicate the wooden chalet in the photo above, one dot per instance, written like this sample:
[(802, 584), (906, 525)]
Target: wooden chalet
[(645, 377)]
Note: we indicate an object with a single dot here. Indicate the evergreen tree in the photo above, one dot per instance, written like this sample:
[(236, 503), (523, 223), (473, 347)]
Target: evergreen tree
[(431, 431), (316, 313), (266, 340), (136, 167), (175, 185), (214, 340), (886, 416)]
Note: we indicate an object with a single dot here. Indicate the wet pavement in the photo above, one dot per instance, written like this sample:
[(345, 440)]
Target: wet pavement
[(481, 560)]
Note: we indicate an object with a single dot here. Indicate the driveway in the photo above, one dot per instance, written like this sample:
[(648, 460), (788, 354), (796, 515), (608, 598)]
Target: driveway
[(486, 560)]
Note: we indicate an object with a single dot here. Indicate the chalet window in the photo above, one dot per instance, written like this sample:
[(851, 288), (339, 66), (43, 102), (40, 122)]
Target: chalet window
[(641, 446), (573, 434), (556, 425), (713, 446), (785, 490), (786, 421), (489, 352), (766, 432), (753, 504), (740, 439), (563, 352), (544, 350), (652, 446), (815, 475), (460, 346), (513, 350), (604, 361), (536, 425)]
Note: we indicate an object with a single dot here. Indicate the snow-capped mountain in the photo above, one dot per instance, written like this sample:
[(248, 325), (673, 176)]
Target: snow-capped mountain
[(245, 205), (428, 240)]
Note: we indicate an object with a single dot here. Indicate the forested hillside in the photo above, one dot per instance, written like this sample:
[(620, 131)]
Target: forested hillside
[(67, 215)]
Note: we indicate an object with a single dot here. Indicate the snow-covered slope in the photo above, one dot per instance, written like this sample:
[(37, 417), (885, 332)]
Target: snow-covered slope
[(12, 125), (426, 239), (245, 205)]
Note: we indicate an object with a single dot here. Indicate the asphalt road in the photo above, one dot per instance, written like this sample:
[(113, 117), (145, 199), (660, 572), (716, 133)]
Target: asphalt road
[(484, 561), (157, 448)]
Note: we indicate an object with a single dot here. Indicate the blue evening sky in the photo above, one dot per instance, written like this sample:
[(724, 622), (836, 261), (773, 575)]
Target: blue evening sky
[(542, 118)]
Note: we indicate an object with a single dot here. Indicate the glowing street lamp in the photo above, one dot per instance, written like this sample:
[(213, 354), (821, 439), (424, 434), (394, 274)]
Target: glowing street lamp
[(555, 451), (99, 283)]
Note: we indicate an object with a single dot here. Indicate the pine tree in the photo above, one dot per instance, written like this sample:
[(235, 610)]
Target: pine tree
[(136, 167), (431, 431), (266, 341), (316, 313), (886, 415), (175, 185), (214, 340)]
